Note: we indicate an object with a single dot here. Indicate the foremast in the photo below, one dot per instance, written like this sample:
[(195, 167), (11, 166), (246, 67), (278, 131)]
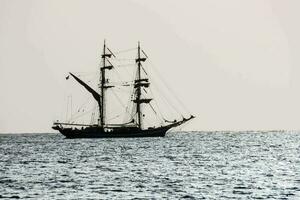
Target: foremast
[(138, 84), (106, 65)]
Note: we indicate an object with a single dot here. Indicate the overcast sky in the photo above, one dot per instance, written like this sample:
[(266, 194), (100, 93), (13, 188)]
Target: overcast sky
[(234, 63)]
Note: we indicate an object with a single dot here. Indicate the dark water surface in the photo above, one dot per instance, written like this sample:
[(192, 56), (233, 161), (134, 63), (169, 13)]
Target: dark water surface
[(196, 165)]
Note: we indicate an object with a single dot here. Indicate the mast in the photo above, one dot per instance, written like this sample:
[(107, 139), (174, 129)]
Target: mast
[(138, 95), (103, 86), (139, 83)]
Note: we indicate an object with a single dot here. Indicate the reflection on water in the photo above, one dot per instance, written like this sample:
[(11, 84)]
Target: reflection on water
[(194, 165)]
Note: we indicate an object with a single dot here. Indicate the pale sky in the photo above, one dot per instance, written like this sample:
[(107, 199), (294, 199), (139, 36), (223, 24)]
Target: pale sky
[(234, 63)]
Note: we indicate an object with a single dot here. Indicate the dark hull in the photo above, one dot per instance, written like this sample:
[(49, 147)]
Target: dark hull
[(114, 132), (96, 132)]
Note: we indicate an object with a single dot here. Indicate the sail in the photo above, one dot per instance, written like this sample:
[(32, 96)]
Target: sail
[(95, 94)]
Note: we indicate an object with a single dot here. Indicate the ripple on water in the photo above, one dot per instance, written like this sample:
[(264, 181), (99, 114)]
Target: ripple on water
[(196, 165)]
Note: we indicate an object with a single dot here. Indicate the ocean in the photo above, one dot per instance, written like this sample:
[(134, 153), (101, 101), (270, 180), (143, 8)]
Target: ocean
[(182, 165)]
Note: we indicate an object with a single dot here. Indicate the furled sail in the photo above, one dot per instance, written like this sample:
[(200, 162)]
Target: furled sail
[(95, 94)]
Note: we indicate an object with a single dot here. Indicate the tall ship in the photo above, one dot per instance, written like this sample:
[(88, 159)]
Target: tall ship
[(136, 112)]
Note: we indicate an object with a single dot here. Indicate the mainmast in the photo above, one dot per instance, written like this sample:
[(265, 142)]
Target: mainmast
[(139, 83), (138, 95), (103, 86)]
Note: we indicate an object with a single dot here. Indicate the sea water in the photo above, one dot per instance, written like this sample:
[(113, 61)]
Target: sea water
[(191, 165)]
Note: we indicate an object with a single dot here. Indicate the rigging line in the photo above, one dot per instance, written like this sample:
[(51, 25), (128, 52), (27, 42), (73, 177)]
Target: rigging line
[(69, 99), (182, 126), (130, 105), (119, 75), (120, 90), (90, 77), (86, 101), (93, 113), (160, 113), (155, 113), (144, 70), (153, 109), (71, 106), (82, 74), (156, 104), (169, 88), (118, 98), (111, 52), (78, 114), (92, 81), (114, 93), (125, 50), (122, 82), (144, 53), (125, 65), (67, 108), (163, 96), (131, 96), (83, 114), (126, 70), (123, 59), (166, 100)]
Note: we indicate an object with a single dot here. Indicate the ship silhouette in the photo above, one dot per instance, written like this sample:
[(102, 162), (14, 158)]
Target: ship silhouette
[(133, 127)]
